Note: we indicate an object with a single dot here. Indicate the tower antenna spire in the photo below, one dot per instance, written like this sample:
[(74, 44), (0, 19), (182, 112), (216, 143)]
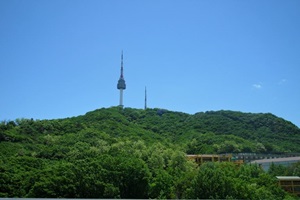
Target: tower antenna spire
[(122, 65), (121, 83), (145, 98)]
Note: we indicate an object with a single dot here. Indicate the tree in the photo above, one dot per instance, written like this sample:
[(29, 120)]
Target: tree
[(211, 182), (277, 170), (57, 181)]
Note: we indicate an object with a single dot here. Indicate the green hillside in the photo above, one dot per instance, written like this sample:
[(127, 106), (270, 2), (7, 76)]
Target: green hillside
[(134, 153), (205, 132), (198, 133)]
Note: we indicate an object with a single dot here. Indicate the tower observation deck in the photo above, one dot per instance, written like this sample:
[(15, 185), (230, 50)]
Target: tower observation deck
[(121, 83)]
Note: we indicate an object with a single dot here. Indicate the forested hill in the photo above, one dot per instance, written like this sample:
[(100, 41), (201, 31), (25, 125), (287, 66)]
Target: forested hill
[(204, 132), (134, 153)]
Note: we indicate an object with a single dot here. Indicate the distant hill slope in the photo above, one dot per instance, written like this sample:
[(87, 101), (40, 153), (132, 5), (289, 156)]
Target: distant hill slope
[(203, 132), (220, 131)]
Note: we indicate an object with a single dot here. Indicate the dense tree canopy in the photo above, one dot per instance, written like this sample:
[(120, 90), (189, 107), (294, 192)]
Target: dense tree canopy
[(132, 153)]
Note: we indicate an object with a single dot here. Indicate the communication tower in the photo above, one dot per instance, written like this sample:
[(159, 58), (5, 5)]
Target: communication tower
[(121, 83)]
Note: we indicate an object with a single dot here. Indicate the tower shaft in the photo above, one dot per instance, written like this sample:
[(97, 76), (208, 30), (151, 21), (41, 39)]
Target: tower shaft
[(121, 98)]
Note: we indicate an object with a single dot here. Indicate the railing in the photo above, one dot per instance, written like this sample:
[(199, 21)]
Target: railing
[(248, 157)]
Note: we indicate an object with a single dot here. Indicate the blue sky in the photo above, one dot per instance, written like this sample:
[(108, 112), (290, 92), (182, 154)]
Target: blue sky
[(61, 58)]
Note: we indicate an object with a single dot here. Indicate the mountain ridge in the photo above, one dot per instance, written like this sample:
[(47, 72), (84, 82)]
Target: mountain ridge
[(257, 127), (205, 131)]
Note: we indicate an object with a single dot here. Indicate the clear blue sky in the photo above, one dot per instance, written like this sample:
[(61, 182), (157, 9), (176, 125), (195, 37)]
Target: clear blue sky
[(61, 58)]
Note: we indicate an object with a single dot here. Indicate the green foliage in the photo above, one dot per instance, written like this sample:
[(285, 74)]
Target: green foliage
[(132, 153), (224, 180), (280, 170), (56, 181)]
